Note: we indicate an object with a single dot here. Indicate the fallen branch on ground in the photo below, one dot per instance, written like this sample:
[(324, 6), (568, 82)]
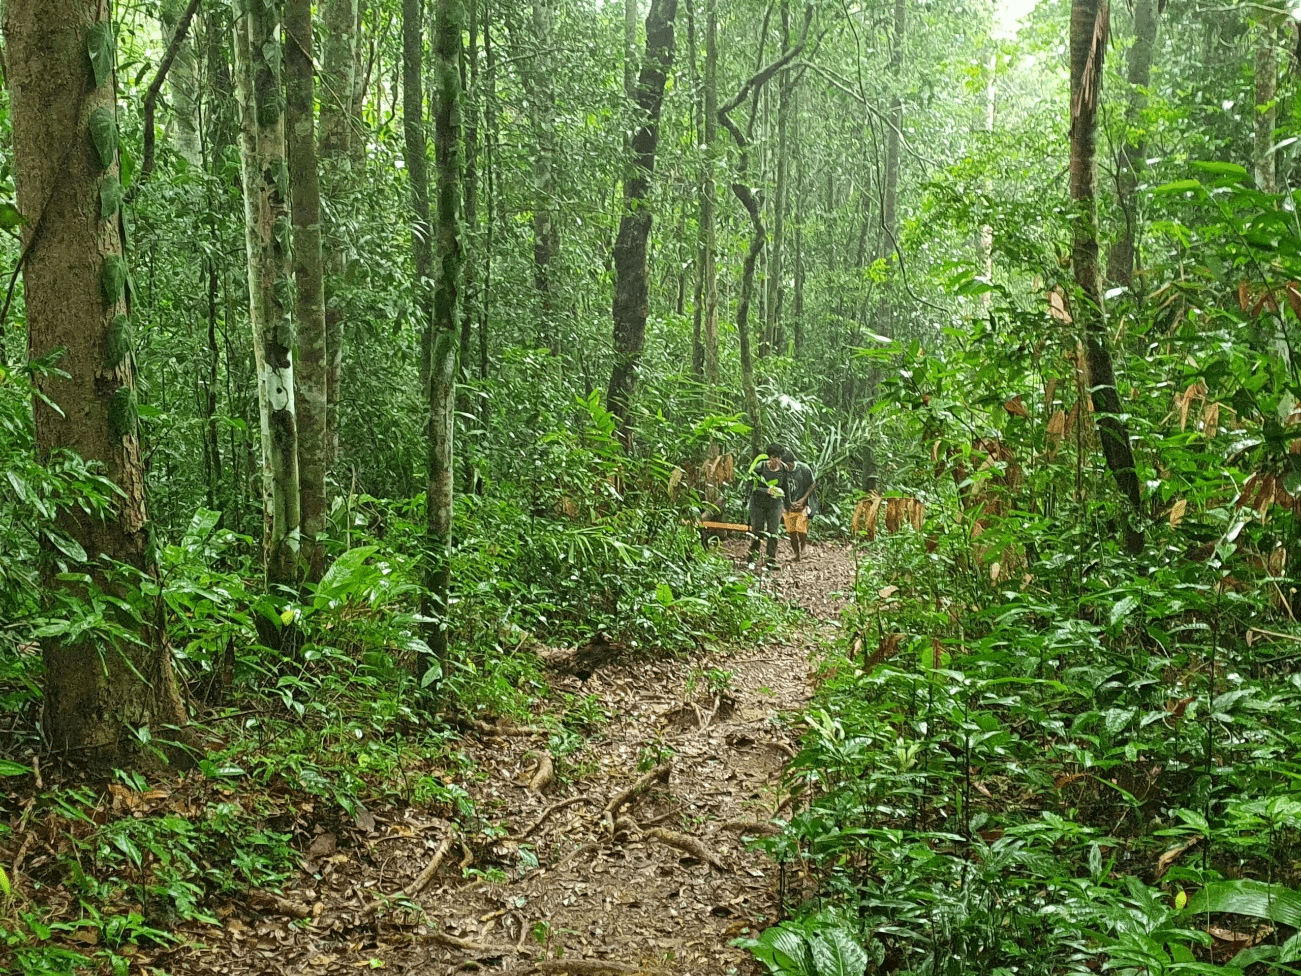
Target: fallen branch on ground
[(683, 842), (751, 827), (466, 945), (660, 772)]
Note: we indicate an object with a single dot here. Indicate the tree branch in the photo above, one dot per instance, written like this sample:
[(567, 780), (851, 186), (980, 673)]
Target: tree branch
[(156, 86)]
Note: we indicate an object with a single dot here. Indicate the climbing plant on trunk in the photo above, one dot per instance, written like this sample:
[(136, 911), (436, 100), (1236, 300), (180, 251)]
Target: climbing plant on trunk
[(101, 687)]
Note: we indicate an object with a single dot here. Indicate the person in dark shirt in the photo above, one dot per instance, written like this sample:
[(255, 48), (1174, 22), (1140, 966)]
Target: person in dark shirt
[(767, 483), (800, 501)]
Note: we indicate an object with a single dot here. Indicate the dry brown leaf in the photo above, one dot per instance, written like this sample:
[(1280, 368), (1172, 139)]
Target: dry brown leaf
[(1169, 857), (1057, 424), (1015, 407), (1177, 511)]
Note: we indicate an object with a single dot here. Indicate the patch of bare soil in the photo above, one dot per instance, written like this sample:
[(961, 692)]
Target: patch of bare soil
[(627, 855)]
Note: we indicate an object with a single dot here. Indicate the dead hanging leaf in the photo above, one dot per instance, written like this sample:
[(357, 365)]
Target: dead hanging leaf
[(1169, 857), (1211, 419), (995, 570), (887, 591), (675, 479), (864, 520), (937, 654), (1177, 709), (1292, 292), (893, 514), (1057, 305), (1244, 295), (1049, 391), (918, 511), (1177, 511), (1066, 779), (1277, 561), (886, 649), (1057, 424), (1015, 407), (1072, 419)]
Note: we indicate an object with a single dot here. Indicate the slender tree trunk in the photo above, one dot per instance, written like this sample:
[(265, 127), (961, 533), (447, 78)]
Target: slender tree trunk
[(631, 275), (884, 318), (987, 230), (267, 230), (416, 158), (776, 255), (1089, 23), (449, 24), (1263, 158), (338, 79), (709, 199), (96, 694), (630, 51), (473, 297), (546, 237), (183, 81), (1123, 253), (309, 308)]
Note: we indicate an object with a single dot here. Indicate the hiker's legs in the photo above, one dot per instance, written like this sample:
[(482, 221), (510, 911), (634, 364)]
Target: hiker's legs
[(756, 525), (773, 527)]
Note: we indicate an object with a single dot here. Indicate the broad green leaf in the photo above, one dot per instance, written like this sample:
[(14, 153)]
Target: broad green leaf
[(9, 216), (112, 279), (1255, 899), (1178, 186), (9, 768), (110, 199), (1122, 608), (837, 953), (1221, 169), (99, 45), (103, 134)]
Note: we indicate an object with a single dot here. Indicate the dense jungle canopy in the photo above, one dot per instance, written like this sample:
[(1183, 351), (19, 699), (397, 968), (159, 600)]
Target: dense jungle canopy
[(386, 389)]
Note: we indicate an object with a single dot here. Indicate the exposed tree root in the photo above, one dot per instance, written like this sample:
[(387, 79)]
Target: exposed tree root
[(546, 814), (422, 879), (683, 842), (660, 773), (545, 774)]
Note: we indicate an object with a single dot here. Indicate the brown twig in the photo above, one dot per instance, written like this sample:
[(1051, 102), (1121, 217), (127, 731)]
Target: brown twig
[(422, 879), (686, 843)]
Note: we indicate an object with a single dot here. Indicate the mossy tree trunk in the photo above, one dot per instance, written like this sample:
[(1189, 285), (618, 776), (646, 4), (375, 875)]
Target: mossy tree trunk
[(98, 693)]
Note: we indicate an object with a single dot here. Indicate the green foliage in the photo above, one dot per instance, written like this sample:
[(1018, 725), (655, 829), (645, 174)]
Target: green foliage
[(103, 135), (100, 46), (113, 279)]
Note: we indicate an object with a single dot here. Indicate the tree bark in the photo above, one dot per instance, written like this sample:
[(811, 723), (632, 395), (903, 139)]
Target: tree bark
[(183, 80), (311, 381), (415, 155), (470, 221), (1088, 46), (631, 275), (709, 200), (267, 234), (339, 78), (884, 317), (546, 237), (776, 253), (1263, 158), (448, 27), (1123, 253), (97, 691)]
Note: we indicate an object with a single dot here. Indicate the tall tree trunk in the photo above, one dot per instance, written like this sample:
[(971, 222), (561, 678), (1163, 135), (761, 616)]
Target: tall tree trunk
[(473, 298), (267, 233), (74, 275), (776, 256), (546, 237), (448, 27), (630, 51), (1263, 158), (183, 81), (1089, 25), (709, 199), (338, 79), (987, 230), (884, 318), (631, 275), (415, 156), (309, 306), (1123, 252)]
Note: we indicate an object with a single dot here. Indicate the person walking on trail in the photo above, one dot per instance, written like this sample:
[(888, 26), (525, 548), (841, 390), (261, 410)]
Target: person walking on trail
[(801, 505), (767, 497)]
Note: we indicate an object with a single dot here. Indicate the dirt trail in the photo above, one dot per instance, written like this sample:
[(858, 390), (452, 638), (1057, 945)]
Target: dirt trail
[(628, 892)]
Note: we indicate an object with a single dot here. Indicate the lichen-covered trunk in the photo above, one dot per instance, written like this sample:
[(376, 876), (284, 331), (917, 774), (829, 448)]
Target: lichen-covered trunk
[(259, 88), (1263, 158), (63, 108), (449, 23), (709, 200), (631, 274), (1089, 23), (470, 218), (339, 52), (309, 306), (415, 156), (1123, 253)]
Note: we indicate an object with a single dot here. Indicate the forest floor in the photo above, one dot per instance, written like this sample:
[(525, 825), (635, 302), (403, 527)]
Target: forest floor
[(661, 884)]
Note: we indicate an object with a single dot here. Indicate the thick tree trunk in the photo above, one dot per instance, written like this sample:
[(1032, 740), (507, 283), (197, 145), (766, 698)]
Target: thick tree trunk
[(309, 307), (1089, 24), (448, 27), (1263, 159), (339, 78), (631, 275), (1123, 252), (74, 275), (270, 283)]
